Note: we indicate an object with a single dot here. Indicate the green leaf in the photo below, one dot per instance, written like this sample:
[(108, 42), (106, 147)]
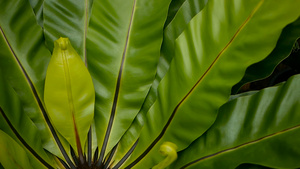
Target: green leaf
[(67, 18), (184, 15), (173, 9), (12, 155), (188, 10), (23, 61), (17, 124), (209, 60), (283, 48), (37, 6), (251, 166), (123, 45), (263, 129), (69, 94), (15, 154), (167, 149)]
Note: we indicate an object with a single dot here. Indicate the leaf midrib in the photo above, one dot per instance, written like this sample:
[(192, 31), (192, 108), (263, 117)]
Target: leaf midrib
[(117, 89), (71, 103), (38, 101), (85, 31), (242, 145), (25, 144), (196, 84)]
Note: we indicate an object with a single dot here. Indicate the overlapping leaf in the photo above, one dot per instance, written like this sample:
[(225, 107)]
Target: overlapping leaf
[(187, 10), (17, 124), (37, 6), (283, 48), (12, 155), (183, 16), (24, 60), (209, 60), (251, 166), (68, 18), (123, 45), (261, 128)]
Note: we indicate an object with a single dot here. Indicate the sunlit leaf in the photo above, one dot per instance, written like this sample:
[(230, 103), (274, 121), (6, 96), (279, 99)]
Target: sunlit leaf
[(262, 128), (69, 94)]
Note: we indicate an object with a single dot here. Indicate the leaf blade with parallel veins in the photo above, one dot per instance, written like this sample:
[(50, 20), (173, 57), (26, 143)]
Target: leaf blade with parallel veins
[(17, 124), (69, 94), (68, 18), (261, 128), (209, 60), (24, 59), (123, 44)]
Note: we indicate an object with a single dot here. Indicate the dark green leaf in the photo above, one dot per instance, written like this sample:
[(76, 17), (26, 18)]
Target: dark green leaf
[(251, 166), (189, 9), (263, 129), (37, 6), (209, 60), (283, 48), (70, 19), (17, 124), (186, 12), (24, 60), (173, 8), (123, 45)]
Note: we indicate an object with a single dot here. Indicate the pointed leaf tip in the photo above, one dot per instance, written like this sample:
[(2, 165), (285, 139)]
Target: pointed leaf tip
[(62, 43), (69, 94)]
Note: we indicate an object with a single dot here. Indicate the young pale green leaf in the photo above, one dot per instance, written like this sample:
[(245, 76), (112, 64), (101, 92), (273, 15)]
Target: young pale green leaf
[(263, 129), (12, 155), (212, 55), (69, 94), (169, 150)]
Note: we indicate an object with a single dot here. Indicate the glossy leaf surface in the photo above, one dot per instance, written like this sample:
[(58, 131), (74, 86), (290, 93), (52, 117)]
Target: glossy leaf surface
[(180, 21), (209, 60), (37, 6), (188, 9), (123, 45), (17, 124), (283, 48), (67, 18), (69, 93), (202, 55), (23, 61), (262, 129), (183, 16)]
